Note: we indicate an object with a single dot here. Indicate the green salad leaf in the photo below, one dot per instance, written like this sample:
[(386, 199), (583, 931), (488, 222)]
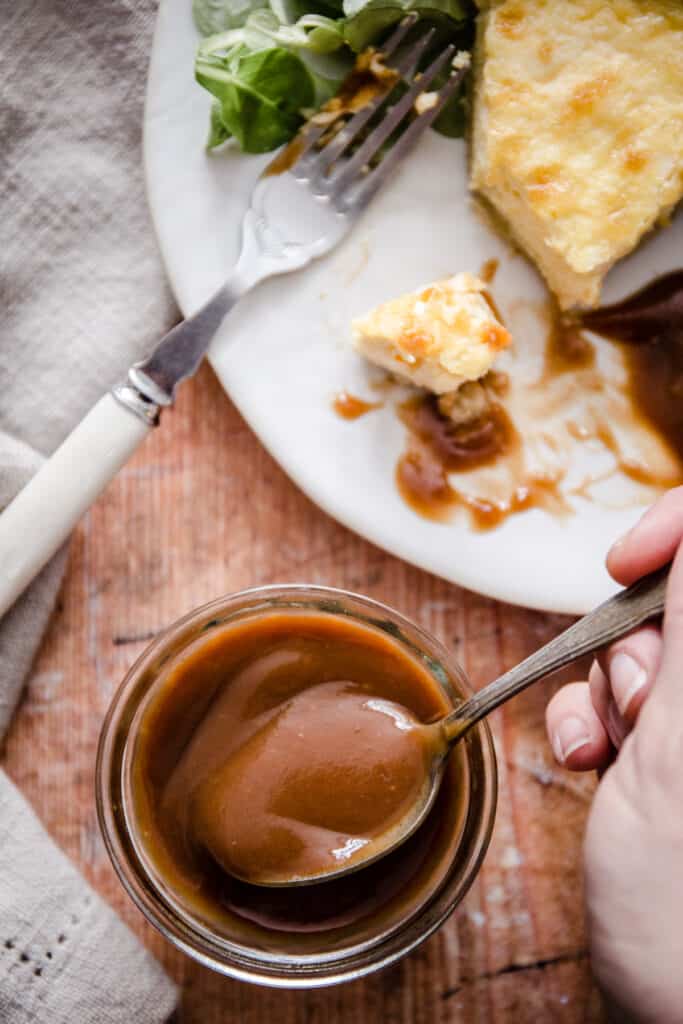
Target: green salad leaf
[(268, 63), (314, 32), (218, 133), (212, 16), (366, 20), (260, 94)]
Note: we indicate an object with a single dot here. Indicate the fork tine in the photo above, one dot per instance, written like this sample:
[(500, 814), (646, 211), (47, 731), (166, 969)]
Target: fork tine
[(336, 146), (407, 66), (309, 133), (399, 34), (378, 176), (389, 123)]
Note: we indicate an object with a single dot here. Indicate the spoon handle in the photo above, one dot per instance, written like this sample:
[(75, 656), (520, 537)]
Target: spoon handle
[(615, 618)]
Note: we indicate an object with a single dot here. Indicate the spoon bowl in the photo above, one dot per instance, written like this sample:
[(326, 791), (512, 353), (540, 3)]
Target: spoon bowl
[(615, 618), (359, 853)]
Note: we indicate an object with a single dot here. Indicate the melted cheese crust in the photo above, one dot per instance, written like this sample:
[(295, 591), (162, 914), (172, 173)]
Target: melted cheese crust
[(577, 136), (437, 337)]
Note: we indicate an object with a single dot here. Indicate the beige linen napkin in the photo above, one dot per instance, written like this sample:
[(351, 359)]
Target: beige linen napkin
[(82, 295)]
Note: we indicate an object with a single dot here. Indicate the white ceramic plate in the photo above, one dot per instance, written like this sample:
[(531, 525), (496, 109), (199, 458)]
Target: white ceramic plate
[(284, 353)]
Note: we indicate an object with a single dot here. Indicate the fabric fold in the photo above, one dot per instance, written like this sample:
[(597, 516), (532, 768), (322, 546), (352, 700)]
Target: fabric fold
[(83, 296), (64, 955)]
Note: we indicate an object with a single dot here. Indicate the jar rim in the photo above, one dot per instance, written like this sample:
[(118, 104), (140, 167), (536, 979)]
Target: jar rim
[(286, 971)]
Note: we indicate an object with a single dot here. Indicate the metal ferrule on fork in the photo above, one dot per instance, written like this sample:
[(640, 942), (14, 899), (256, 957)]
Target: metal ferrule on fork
[(131, 397)]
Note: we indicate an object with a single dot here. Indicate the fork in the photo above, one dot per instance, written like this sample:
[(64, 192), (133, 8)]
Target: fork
[(303, 204)]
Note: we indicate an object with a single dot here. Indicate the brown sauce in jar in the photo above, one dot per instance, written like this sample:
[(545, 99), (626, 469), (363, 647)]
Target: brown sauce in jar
[(257, 745)]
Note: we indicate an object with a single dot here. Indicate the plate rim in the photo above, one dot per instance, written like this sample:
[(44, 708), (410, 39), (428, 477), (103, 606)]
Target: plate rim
[(508, 593)]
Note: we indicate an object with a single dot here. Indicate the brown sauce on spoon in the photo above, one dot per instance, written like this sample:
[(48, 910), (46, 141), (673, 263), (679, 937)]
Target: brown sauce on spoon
[(324, 781), (259, 748)]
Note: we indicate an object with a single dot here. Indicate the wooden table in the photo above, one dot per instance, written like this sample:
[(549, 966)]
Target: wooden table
[(203, 510)]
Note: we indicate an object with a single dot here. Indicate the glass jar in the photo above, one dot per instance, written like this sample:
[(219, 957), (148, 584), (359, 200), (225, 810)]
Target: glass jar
[(253, 963)]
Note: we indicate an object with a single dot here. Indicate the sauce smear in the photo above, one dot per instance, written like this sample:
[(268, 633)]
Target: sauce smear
[(622, 416), (488, 271), (649, 326), (459, 446), (567, 348), (437, 447), (349, 407)]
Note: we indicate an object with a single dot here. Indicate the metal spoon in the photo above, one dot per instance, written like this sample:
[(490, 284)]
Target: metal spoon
[(615, 618)]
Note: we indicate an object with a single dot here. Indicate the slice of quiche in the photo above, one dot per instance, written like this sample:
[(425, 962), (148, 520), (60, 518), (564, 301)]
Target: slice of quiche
[(577, 134), (437, 337)]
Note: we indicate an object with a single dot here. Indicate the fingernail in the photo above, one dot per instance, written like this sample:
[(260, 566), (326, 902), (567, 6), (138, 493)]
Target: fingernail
[(618, 544), (616, 729), (569, 737), (627, 677)]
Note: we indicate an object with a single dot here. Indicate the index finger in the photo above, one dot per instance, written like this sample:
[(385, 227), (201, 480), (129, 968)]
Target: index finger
[(652, 542), (667, 692)]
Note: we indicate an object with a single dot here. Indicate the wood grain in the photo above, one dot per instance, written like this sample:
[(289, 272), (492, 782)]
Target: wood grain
[(203, 510)]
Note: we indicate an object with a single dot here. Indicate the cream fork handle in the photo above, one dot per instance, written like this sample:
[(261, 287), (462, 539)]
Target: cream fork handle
[(41, 517)]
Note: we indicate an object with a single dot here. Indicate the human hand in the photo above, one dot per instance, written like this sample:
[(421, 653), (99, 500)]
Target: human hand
[(627, 722)]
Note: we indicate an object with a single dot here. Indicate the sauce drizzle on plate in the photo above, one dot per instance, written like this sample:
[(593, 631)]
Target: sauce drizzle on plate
[(438, 447), (649, 327), (350, 407)]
